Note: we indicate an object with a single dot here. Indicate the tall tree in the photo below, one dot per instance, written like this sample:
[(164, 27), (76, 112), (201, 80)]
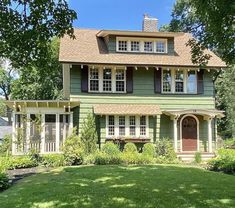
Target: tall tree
[(27, 26), (41, 81), (7, 76)]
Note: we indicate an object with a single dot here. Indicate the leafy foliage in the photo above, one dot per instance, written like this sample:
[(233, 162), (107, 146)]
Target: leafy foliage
[(211, 22), (52, 160), (229, 143), (73, 150), (149, 149), (164, 148), (102, 158), (130, 148), (5, 147), (110, 148), (18, 162), (89, 136), (224, 161), (4, 181), (41, 81), (198, 157), (27, 27)]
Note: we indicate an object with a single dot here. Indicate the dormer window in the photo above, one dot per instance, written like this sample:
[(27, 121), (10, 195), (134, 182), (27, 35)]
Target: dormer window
[(148, 46), (135, 46), (141, 45), (122, 45)]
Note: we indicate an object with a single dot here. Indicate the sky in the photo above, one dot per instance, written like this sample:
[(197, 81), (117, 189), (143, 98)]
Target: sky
[(119, 14)]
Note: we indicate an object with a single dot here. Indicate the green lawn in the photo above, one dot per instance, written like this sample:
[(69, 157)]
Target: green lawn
[(119, 186)]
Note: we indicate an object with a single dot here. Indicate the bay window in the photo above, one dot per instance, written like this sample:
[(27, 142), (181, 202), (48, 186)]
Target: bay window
[(179, 81), (126, 126), (107, 80)]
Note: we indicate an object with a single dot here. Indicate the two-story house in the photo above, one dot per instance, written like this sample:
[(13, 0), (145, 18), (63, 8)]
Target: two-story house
[(140, 85)]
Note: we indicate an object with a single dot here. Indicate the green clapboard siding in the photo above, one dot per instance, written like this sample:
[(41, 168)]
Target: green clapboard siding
[(143, 93)]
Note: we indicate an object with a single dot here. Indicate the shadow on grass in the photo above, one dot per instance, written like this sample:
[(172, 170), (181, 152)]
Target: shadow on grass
[(123, 186)]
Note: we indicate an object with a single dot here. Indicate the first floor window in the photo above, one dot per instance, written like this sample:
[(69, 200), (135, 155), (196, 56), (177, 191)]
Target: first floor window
[(130, 126), (111, 125)]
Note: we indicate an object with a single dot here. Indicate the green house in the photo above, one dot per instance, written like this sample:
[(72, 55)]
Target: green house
[(141, 86)]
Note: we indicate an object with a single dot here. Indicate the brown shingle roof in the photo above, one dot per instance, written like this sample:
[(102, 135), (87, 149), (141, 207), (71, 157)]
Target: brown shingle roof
[(88, 48), (126, 109)]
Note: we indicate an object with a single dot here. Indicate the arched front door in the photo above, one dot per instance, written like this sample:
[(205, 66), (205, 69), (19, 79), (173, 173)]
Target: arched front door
[(189, 134)]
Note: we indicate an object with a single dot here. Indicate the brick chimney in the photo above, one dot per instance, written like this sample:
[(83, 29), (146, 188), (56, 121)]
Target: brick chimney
[(149, 24)]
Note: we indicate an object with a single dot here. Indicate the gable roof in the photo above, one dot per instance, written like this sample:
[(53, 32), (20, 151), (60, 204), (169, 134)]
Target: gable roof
[(88, 48)]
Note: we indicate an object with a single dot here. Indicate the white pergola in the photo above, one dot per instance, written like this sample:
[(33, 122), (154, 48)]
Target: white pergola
[(208, 115), (59, 109)]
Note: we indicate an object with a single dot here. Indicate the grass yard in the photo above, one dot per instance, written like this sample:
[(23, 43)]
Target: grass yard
[(119, 186)]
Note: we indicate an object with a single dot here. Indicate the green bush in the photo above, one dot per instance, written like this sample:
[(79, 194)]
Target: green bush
[(130, 148), (110, 148), (53, 160), (5, 147), (130, 158), (18, 162), (4, 181), (198, 157), (229, 143), (73, 150), (149, 149), (102, 158), (165, 148), (224, 161), (4, 164), (165, 160), (89, 159)]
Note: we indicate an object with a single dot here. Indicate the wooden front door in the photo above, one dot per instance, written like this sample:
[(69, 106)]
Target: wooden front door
[(189, 134)]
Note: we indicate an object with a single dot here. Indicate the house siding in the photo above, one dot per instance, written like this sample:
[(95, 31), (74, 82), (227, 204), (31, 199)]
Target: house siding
[(143, 93)]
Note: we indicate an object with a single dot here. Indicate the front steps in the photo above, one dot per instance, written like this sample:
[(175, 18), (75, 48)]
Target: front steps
[(189, 156)]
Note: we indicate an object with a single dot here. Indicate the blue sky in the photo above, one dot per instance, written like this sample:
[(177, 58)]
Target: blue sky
[(119, 14)]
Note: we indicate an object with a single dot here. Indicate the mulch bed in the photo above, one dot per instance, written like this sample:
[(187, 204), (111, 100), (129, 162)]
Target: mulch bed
[(18, 174)]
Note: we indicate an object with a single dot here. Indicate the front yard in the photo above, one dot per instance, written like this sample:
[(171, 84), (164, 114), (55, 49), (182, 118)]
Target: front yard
[(123, 186)]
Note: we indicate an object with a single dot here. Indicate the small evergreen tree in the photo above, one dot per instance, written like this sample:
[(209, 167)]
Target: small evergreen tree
[(89, 135)]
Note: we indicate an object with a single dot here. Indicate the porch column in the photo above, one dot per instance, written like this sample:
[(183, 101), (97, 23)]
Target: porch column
[(27, 132), (70, 123), (57, 137), (209, 120), (158, 122), (175, 133), (14, 134), (64, 128), (43, 133)]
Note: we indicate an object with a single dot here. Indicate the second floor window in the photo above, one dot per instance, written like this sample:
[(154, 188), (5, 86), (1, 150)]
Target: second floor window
[(179, 81), (148, 46), (160, 46), (135, 46), (107, 80), (122, 45)]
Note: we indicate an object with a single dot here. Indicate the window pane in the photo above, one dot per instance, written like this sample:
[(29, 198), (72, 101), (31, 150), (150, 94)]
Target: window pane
[(111, 125), (148, 46), (120, 74), (111, 120), (122, 125), (107, 74), (94, 85), (142, 125), (120, 86), (160, 46), (179, 87), (143, 120), (166, 77), (94, 74), (94, 80), (192, 82), (179, 81), (122, 45), (107, 80), (135, 45), (122, 120), (132, 125)]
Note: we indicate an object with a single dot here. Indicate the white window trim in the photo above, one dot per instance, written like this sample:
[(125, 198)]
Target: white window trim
[(100, 71), (127, 127), (141, 41), (172, 71)]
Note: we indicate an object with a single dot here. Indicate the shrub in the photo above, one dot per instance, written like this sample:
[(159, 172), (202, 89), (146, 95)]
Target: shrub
[(165, 160), (89, 159), (229, 143), (149, 149), (4, 181), (130, 148), (136, 158), (197, 157), (89, 135), (102, 158), (224, 161), (73, 150), (110, 148), (5, 147), (53, 160), (18, 162), (165, 148)]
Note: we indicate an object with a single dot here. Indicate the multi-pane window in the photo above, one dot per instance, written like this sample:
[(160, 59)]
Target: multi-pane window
[(120, 80), (122, 126), (135, 45), (122, 45), (107, 80), (192, 82), (94, 80), (143, 125), (111, 125), (132, 125), (179, 81), (160, 47), (148, 46), (166, 78)]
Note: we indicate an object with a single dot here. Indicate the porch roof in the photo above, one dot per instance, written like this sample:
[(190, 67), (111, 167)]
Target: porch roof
[(204, 112), (41, 103), (126, 109)]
